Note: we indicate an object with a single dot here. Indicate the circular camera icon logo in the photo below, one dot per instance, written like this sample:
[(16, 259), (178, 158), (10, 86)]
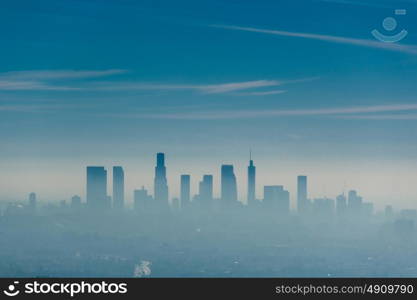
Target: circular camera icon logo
[(390, 24), (11, 290)]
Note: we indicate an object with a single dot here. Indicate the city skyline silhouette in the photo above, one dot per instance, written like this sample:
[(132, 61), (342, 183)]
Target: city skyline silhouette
[(208, 138), (274, 197), (102, 235), (195, 89)]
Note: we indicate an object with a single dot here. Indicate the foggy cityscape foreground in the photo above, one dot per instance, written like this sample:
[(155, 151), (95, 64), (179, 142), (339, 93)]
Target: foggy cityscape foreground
[(201, 236)]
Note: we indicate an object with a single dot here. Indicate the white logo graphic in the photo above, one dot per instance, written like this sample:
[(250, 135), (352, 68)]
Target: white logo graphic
[(390, 24), (70, 289), (11, 290)]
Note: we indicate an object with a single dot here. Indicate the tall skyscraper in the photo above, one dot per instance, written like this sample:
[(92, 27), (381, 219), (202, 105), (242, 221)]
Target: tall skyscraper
[(251, 182), (228, 185), (97, 187), (277, 199), (185, 191), (206, 191), (32, 201), (160, 182), (118, 187), (302, 201)]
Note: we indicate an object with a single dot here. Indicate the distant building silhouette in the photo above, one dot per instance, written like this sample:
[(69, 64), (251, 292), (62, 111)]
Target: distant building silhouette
[(405, 224), (354, 204), (75, 202), (118, 187), (160, 182), (141, 200), (228, 185), (323, 208), (251, 182), (276, 199), (302, 201), (32, 201), (409, 214), (389, 212), (185, 191), (97, 188), (63, 204), (206, 191), (341, 205)]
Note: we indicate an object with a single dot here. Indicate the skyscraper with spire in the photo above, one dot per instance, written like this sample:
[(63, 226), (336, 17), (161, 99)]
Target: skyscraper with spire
[(251, 181), (160, 182)]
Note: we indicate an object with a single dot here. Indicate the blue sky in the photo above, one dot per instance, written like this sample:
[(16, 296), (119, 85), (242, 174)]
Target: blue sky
[(304, 84)]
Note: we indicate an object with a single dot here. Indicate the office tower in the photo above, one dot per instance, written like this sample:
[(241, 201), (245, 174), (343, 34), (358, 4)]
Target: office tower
[(276, 199), (160, 182), (251, 182), (354, 203), (32, 201), (302, 201), (118, 187), (185, 191), (341, 205), (97, 188), (206, 191), (323, 208), (76, 202), (228, 185), (141, 200)]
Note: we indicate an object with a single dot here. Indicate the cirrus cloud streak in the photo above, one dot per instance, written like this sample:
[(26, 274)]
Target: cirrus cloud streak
[(250, 114)]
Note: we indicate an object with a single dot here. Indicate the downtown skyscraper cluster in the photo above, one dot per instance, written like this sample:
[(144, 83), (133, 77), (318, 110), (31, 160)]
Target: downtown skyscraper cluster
[(275, 197)]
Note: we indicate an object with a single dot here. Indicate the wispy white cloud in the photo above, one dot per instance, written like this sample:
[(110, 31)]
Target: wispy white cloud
[(380, 117), (266, 93), (48, 79), (237, 86), (246, 114), (59, 74), (63, 80), (203, 88), (26, 85), (38, 108), (410, 49)]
